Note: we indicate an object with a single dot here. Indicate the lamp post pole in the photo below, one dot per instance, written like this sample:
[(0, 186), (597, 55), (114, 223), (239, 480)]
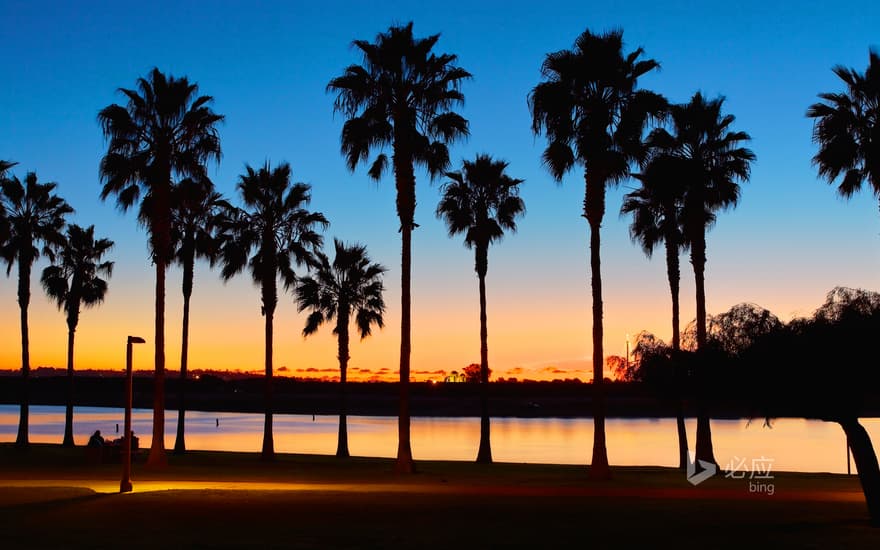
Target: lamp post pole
[(125, 484)]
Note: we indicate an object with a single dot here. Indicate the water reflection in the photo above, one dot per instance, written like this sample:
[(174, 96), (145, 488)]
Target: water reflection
[(792, 444)]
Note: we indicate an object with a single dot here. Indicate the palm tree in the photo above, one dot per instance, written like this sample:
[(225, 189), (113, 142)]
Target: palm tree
[(401, 97), (657, 218), (276, 228), (194, 219), (592, 114), (74, 281), (349, 287), (36, 218), (165, 131), (846, 129), (710, 161), (481, 201)]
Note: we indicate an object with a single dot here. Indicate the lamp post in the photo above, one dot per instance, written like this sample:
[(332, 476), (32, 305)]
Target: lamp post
[(125, 484)]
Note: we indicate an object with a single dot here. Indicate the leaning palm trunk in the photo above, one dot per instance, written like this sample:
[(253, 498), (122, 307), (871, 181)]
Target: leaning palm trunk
[(594, 210), (704, 449), (180, 442), (342, 328), (674, 274), (866, 464), (24, 295), (68, 413), (484, 455)]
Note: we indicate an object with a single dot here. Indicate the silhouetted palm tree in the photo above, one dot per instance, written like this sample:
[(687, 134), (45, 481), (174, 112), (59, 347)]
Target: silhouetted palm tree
[(401, 97), (165, 132), (846, 129), (36, 218), (711, 160), (349, 287), (74, 281), (481, 201), (195, 214), (657, 218), (276, 228), (593, 115)]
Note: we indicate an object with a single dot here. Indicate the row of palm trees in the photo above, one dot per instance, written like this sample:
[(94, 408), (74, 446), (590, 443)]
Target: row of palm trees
[(271, 236), (401, 97)]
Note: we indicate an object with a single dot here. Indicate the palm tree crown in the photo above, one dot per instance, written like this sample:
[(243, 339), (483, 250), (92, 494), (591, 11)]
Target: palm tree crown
[(165, 130), (590, 109), (74, 279), (275, 225), (4, 223), (35, 216), (401, 96), (350, 284), (847, 129), (481, 202)]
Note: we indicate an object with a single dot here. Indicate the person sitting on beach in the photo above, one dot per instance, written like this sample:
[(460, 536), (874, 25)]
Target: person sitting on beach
[(96, 440)]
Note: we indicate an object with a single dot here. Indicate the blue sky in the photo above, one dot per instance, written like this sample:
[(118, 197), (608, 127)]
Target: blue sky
[(267, 63)]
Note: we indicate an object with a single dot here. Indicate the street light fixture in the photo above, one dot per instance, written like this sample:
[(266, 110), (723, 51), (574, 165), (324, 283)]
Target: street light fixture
[(125, 484)]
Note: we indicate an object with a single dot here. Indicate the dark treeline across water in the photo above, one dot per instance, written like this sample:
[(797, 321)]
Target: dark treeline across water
[(522, 399)]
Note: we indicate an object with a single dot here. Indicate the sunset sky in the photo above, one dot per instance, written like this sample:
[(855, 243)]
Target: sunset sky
[(267, 63)]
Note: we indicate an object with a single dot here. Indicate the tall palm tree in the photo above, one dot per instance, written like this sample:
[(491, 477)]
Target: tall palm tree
[(36, 218), (349, 287), (74, 281), (481, 201), (656, 209), (711, 160), (847, 132), (166, 131), (195, 216), (277, 229), (401, 97), (593, 114)]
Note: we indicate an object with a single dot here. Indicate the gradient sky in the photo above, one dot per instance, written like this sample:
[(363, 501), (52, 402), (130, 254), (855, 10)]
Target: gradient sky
[(267, 63)]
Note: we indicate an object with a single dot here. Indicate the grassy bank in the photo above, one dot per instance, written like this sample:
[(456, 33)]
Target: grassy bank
[(48, 498)]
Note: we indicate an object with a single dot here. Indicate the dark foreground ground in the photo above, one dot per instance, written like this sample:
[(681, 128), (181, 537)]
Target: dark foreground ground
[(50, 498)]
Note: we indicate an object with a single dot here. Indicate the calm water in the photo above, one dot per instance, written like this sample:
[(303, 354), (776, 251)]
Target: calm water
[(791, 444)]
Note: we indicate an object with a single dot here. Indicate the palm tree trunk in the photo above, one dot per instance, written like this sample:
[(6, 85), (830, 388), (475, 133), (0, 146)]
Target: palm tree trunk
[(682, 435), (673, 273), (405, 181), (157, 456), (342, 331), (594, 211), (270, 301), (24, 297), (704, 448), (484, 454), (404, 462), (268, 452), (179, 442), (866, 465), (68, 413)]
